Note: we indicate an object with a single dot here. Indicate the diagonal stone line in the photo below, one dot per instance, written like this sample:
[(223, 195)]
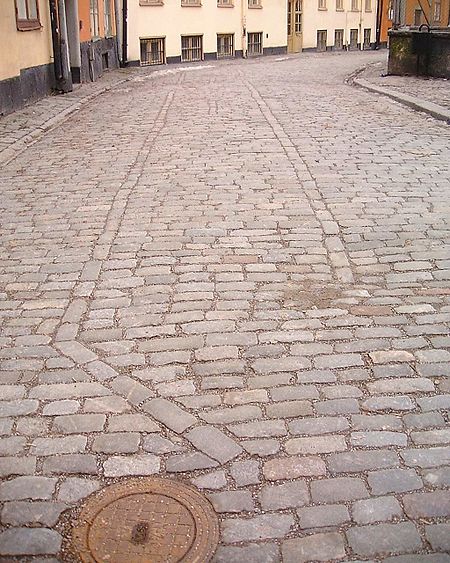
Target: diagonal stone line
[(333, 242)]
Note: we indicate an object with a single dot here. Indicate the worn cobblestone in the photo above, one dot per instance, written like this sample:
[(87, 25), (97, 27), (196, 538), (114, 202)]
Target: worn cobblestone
[(235, 297)]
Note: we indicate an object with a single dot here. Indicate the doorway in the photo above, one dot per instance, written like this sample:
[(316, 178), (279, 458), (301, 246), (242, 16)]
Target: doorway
[(294, 26)]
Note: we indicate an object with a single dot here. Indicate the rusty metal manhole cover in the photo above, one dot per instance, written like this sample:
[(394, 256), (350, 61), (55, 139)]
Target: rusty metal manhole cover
[(146, 521)]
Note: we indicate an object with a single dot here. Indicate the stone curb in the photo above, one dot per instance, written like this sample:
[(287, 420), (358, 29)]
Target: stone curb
[(16, 148), (436, 111)]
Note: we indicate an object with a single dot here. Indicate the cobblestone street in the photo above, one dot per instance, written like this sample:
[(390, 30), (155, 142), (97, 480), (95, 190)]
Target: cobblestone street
[(235, 275)]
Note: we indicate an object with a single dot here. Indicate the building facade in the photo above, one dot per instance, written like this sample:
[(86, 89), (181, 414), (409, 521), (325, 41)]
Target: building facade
[(161, 31), (413, 13), (96, 42), (326, 25), (26, 54)]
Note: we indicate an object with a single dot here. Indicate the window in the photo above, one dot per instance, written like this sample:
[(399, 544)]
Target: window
[(353, 39), (27, 15), (339, 5), (298, 16), (355, 5), (93, 13), (437, 11), (366, 44), (254, 44), (151, 3), (225, 3), (322, 40), (417, 17), (153, 51), (225, 45), (254, 4), (191, 48), (368, 5), (339, 39), (191, 2), (322, 4), (108, 18)]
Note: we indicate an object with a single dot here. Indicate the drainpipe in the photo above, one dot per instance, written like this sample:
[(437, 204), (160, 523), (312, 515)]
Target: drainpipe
[(380, 9), (55, 41), (124, 60), (60, 46), (117, 22), (244, 27), (361, 34)]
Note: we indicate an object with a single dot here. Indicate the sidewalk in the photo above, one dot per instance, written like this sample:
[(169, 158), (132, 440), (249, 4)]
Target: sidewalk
[(430, 95), (20, 128)]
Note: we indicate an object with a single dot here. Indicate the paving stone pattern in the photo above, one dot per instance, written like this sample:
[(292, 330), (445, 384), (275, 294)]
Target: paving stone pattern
[(238, 277)]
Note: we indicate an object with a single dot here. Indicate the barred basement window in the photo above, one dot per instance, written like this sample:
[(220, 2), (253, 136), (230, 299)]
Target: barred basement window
[(191, 48), (153, 51), (367, 33), (225, 45), (353, 39), (339, 39), (322, 40), (254, 44), (27, 15)]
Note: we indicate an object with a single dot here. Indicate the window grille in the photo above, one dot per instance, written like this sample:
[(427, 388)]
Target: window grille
[(191, 48), (225, 45), (254, 44), (339, 39), (152, 51)]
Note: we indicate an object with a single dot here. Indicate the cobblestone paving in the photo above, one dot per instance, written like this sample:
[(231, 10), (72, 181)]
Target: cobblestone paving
[(436, 90), (237, 277)]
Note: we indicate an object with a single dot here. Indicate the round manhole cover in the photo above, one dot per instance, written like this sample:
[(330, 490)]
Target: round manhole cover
[(146, 521)]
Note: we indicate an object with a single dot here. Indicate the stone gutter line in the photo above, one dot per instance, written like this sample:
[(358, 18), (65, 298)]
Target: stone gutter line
[(15, 149), (417, 104)]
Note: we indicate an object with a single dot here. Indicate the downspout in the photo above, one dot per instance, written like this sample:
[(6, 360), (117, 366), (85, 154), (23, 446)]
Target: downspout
[(117, 23), (66, 75), (55, 42), (379, 23), (361, 34), (124, 60), (244, 28)]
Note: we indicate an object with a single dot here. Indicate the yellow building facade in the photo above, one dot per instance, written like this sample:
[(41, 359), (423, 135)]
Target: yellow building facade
[(161, 31), (26, 54)]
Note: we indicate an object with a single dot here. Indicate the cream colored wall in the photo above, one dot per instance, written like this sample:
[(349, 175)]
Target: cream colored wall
[(330, 19), (172, 20), (23, 49)]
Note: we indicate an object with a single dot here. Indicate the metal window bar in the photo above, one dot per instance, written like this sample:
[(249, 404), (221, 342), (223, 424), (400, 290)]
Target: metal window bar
[(152, 51), (254, 43), (339, 39), (191, 48), (322, 40), (225, 45)]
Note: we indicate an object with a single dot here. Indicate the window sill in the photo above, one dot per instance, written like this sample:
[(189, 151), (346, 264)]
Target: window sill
[(323, 9), (225, 5), (339, 9), (150, 3), (199, 5), (255, 7), (28, 25)]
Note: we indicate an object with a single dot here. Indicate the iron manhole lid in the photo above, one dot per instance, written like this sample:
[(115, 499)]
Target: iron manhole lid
[(146, 521)]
